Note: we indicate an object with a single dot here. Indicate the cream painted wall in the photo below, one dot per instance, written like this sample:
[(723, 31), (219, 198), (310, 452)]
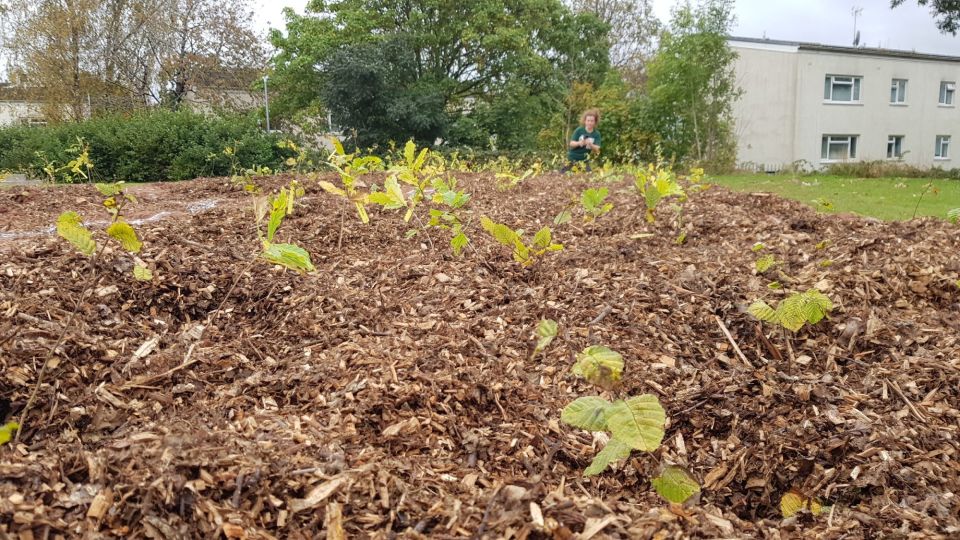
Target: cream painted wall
[(782, 116)]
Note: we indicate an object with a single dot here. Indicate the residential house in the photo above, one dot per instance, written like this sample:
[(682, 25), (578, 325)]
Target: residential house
[(812, 105), (18, 107)]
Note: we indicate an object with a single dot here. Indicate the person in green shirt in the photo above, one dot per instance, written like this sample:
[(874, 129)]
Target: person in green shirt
[(584, 141)]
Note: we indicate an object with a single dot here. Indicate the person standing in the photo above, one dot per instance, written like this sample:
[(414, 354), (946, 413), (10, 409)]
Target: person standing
[(584, 141)]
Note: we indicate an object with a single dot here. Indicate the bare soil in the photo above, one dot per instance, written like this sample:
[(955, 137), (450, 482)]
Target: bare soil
[(392, 394)]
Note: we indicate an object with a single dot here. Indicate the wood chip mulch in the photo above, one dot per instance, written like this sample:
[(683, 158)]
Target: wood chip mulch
[(392, 394)]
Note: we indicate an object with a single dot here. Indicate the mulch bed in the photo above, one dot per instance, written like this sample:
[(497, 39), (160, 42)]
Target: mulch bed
[(392, 392)]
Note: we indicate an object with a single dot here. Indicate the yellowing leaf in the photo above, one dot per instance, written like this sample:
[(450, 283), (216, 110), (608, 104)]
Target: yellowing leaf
[(392, 197), (794, 501), (587, 413), (70, 227), (6, 432), (546, 331), (142, 273), (330, 188), (637, 422), (599, 365), (675, 484), (289, 256), (124, 233), (614, 451), (501, 233)]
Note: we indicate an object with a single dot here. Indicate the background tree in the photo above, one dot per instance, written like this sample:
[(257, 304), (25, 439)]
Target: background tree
[(946, 13), (83, 56), (436, 67), (632, 35), (692, 87)]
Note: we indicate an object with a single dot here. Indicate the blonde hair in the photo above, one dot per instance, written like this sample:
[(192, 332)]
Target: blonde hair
[(595, 113)]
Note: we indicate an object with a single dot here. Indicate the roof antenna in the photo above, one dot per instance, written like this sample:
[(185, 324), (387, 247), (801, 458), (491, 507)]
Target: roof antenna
[(855, 11)]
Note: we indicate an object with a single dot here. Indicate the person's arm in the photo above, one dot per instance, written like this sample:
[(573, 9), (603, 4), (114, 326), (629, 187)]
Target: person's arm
[(575, 140)]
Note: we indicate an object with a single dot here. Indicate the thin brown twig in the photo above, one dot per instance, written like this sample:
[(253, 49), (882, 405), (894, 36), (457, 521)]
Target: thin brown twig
[(896, 388), (736, 347)]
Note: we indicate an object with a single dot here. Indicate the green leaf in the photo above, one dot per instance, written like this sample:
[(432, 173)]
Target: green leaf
[(675, 484), (765, 263), (392, 197), (458, 242), (587, 413), (124, 233), (410, 152), (757, 247), (563, 217), (592, 198), (500, 232), (546, 332), (70, 227), (599, 365), (542, 238), (109, 190), (142, 273), (638, 422), (6, 432), (615, 450), (761, 310), (289, 256), (953, 216), (278, 210)]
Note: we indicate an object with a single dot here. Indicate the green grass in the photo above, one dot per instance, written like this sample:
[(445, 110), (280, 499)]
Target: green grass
[(889, 199)]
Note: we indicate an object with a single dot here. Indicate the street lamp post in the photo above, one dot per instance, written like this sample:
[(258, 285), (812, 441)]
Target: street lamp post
[(266, 101)]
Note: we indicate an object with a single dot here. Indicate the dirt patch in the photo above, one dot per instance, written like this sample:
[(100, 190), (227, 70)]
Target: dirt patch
[(391, 392)]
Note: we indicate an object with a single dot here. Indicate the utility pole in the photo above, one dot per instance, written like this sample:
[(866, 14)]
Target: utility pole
[(266, 101)]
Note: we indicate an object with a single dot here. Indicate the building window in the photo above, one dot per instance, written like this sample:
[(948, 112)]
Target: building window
[(946, 92), (942, 151), (838, 147), (895, 146), (841, 88), (898, 91)]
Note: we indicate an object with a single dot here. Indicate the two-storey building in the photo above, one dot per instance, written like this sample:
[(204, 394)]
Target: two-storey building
[(818, 104)]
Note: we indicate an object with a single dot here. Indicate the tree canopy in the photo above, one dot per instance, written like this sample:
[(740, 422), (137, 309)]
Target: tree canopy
[(432, 68)]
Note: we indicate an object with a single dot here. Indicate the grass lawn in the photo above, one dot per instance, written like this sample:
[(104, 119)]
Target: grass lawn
[(884, 198)]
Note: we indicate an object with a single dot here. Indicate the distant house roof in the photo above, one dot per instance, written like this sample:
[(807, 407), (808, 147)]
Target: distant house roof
[(11, 92), (863, 51), (226, 78)]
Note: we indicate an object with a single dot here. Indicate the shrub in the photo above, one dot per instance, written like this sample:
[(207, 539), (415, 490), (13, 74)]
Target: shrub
[(145, 147)]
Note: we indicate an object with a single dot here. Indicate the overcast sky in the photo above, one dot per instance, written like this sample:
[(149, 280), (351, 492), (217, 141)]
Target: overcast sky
[(908, 27)]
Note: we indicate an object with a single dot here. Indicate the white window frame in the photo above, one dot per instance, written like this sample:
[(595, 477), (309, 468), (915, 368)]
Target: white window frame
[(827, 140), (894, 146), (941, 151), (898, 92), (947, 93), (855, 82)]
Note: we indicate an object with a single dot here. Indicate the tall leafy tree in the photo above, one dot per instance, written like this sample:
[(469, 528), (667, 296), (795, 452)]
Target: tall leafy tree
[(692, 87), (946, 13), (632, 35), (117, 54), (424, 64)]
